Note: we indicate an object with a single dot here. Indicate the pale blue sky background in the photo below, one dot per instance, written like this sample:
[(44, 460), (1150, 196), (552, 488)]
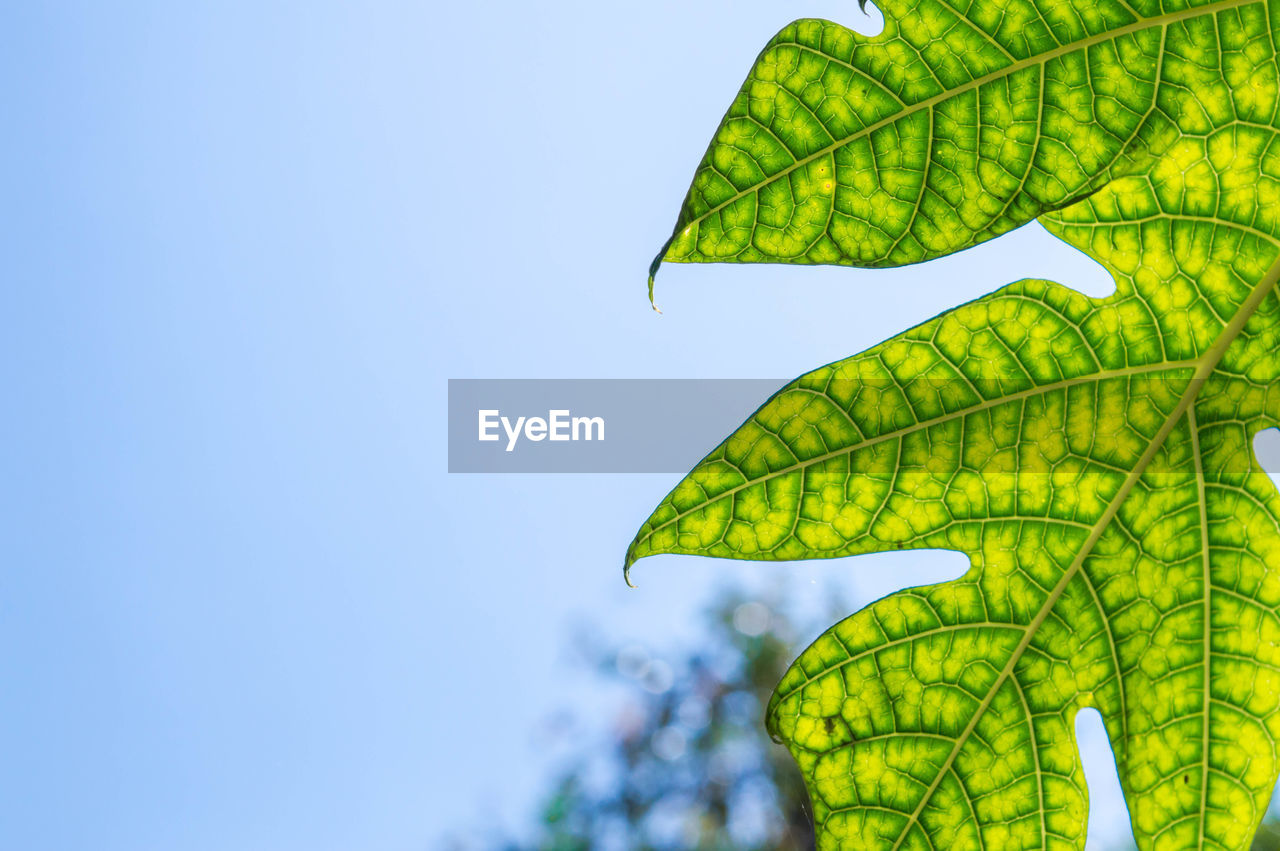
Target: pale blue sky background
[(243, 606)]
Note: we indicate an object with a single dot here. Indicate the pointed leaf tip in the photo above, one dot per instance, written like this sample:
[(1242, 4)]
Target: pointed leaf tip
[(627, 562), (653, 271)]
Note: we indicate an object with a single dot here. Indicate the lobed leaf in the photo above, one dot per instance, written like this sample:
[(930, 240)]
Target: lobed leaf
[(1093, 457)]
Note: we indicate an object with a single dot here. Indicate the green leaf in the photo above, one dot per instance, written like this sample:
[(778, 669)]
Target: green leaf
[(1093, 457), (960, 121), (1124, 547)]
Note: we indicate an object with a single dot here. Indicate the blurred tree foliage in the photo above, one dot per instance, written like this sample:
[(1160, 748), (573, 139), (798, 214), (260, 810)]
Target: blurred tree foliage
[(688, 766)]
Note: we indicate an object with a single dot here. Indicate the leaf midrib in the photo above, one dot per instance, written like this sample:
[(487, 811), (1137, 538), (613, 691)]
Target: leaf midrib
[(977, 82)]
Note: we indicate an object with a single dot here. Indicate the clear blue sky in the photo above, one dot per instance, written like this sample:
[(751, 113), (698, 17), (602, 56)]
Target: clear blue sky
[(245, 245)]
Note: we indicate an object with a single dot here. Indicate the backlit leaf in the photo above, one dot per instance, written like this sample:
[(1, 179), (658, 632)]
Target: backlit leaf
[(1092, 457), (957, 123)]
